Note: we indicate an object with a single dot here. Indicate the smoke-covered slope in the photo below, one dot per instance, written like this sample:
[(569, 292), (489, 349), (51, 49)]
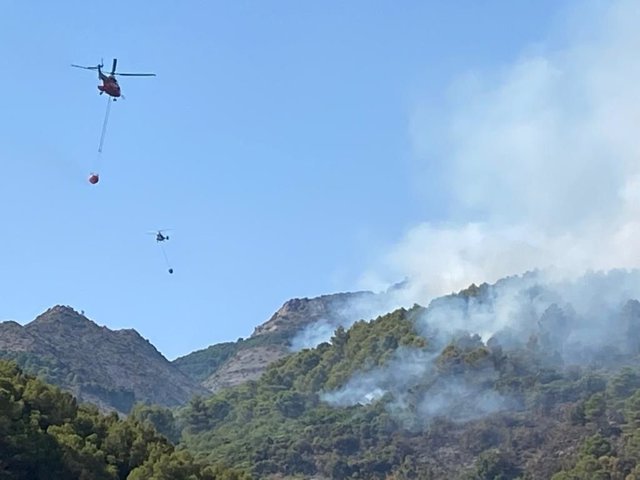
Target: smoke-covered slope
[(112, 369), (526, 378)]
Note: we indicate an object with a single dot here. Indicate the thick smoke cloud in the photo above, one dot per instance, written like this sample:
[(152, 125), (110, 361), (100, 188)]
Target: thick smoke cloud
[(542, 166), (541, 161)]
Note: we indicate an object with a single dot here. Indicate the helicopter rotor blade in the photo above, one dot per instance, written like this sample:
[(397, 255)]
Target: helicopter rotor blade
[(113, 68), (136, 74), (82, 66)]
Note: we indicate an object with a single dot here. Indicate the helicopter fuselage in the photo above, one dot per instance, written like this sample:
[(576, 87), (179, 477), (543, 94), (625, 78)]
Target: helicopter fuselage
[(109, 83), (109, 86)]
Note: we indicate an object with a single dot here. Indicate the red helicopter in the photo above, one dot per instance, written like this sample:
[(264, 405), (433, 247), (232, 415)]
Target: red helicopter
[(110, 85)]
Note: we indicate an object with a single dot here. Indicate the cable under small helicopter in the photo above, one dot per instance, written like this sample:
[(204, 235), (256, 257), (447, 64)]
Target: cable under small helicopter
[(161, 237)]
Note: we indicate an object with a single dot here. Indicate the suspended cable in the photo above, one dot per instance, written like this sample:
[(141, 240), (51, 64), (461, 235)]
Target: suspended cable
[(166, 259), (95, 177), (104, 125)]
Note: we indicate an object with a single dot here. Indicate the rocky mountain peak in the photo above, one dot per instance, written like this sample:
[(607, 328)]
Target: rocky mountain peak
[(111, 368), (297, 313), (61, 314)]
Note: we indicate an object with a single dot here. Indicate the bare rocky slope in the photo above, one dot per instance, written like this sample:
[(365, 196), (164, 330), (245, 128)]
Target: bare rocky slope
[(112, 369)]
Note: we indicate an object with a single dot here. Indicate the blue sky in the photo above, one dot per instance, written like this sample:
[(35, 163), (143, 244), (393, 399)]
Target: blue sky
[(274, 141)]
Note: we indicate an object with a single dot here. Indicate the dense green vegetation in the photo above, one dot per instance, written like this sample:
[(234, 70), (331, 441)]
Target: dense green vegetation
[(44, 434), (51, 370), (612, 450), (246, 426), (504, 413), (46, 367)]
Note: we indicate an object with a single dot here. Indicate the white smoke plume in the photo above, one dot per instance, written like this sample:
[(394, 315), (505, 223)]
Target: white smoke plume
[(370, 386), (344, 314), (418, 393), (516, 308), (589, 320), (313, 335), (541, 162)]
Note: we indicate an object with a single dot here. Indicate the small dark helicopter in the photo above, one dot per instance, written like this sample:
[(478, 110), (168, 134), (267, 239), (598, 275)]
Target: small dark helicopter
[(110, 84), (160, 236)]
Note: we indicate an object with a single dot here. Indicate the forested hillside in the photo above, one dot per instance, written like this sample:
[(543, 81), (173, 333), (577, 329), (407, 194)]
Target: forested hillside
[(44, 434), (524, 379), (555, 391)]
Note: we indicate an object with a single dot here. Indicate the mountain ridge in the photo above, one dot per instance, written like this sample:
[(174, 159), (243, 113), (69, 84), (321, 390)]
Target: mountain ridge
[(116, 368), (299, 323), (111, 368)]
